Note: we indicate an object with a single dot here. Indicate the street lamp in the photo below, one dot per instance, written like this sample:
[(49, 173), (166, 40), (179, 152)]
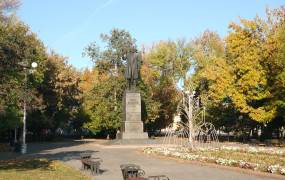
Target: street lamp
[(26, 68), (34, 65)]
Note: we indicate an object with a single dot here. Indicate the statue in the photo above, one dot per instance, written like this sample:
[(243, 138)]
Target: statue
[(131, 124), (132, 70)]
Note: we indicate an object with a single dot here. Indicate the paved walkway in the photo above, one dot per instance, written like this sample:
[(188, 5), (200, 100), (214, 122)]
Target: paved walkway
[(115, 155)]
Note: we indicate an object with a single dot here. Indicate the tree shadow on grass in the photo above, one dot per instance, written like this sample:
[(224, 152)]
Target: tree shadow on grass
[(25, 164), (63, 156), (43, 161), (40, 155)]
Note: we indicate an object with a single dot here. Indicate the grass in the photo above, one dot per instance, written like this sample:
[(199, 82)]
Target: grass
[(34, 169), (258, 157)]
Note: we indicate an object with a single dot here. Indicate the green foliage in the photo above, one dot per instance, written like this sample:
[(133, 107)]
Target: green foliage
[(275, 65), (104, 104), (164, 65), (250, 81), (18, 46), (241, 78), (9, 119), (61, 96), (103, 99), (211, 78), (50, 91)]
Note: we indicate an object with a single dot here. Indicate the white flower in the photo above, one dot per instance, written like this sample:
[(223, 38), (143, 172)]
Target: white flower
[(273, 168), (282, 170), (222, 161), (252, 149)]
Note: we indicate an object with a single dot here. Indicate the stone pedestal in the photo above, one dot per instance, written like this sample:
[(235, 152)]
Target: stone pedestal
[(132, 126)]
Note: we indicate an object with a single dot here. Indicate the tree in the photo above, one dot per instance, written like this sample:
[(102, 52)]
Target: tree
[(61, 96), (103, 103), (242, 78), (7, 6), (212, 74), (275, 65), (164, 65), (212, 79), (18, 46), (250, 81)]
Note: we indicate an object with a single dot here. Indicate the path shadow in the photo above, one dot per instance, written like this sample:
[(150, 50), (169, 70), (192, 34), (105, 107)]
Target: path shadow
[(62, 156), (41, 148)]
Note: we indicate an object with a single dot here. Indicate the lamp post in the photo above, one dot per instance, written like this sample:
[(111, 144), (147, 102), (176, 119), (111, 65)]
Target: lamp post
[(24, 145)]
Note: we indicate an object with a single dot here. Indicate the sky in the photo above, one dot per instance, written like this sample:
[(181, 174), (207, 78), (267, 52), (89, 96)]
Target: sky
[(68, 26)]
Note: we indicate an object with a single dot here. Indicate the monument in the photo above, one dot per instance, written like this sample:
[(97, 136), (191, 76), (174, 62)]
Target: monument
[(132, 125)]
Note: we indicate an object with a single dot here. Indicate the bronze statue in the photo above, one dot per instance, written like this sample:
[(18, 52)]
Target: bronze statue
[(132, 70)]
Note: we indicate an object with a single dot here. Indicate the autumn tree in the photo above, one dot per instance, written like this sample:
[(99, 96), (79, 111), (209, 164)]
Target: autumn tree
[(61, 96), (6, 7), (212, 79), (241, 78), (275, 66), (164, 66)]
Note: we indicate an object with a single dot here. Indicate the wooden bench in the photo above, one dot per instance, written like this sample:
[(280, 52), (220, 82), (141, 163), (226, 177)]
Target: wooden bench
[(130, 171), (93, 164), (160, 177), (85, 155), (137, 178)]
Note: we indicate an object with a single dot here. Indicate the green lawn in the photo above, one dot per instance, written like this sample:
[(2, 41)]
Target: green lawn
[(34, 169)]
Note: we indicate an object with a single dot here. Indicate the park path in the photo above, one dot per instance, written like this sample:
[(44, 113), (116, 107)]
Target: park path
[(115, 155)]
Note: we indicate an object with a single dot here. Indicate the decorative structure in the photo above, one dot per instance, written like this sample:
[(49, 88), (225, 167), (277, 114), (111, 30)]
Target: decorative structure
[(195, 131), (132, 125)]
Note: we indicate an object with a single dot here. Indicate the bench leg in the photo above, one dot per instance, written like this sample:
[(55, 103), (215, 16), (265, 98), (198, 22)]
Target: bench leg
[(92, 169), (97, 169)]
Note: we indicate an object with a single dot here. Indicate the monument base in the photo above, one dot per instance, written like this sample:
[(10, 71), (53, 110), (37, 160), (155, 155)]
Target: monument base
[(127, 135), (132, 126)]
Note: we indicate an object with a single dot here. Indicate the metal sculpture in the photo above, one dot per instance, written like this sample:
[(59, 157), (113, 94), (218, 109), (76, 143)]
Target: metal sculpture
[(195, 131)]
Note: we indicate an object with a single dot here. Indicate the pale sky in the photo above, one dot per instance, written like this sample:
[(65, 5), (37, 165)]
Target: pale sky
[(68, 26)]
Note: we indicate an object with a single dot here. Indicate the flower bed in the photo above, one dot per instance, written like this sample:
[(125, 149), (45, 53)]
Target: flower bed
[(254, 158)]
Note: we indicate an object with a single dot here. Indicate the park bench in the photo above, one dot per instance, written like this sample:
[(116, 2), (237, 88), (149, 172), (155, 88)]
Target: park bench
[(132, 171), (137, 178), (90, 163), (85, 155), (93, 164), (160, 177)]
